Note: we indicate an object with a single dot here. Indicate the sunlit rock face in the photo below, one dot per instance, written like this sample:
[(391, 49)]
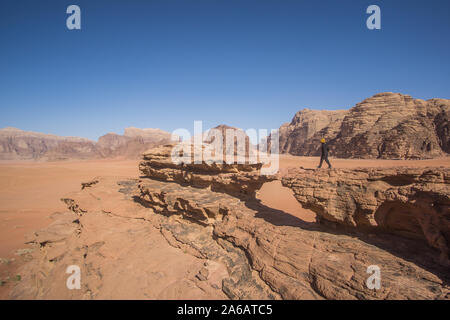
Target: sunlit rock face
[(196, 231), (412, 202), (385, 126), (16, 144)]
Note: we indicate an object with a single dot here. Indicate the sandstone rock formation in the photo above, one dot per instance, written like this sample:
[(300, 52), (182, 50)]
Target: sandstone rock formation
[(305, 124), (168, 235), (132, 144), (237, 179), (126, 250), (234, 141), (17, 144), (148, 135), (387, 126), (413, 202)]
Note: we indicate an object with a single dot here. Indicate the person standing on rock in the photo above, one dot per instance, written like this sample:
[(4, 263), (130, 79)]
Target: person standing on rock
[(324, 155)]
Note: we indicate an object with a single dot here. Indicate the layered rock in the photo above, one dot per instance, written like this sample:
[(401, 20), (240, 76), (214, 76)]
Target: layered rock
[(239, 179), (246, 251), (119, 243), (412, 202), (231, 140), (186, 231), (387, 126), (305, 124), (132, 143), (148, 135), (17, 144), (113, 145), (201, 205), (297, 260)]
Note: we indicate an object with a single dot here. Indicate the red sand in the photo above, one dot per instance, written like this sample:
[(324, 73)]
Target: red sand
[(30, 191)]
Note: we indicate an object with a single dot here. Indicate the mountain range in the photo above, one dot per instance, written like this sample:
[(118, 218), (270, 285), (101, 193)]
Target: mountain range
[(16, 144), (385, 126)]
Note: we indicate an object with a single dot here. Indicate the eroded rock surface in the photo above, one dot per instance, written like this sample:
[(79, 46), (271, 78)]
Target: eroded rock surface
[(168, 237), (126, 250), (413, 202), (386, 126), (239, 179), (16, 144)]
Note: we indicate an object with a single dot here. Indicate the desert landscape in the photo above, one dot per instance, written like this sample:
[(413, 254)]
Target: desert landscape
[(160, 230), (224, 158)]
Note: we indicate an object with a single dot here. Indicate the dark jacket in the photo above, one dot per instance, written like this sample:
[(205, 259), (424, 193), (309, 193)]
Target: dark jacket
[(324, 148)]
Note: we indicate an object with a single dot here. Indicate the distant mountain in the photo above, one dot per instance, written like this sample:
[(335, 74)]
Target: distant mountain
[(385, 126), (16, 144), (133, 142), (243, 149)]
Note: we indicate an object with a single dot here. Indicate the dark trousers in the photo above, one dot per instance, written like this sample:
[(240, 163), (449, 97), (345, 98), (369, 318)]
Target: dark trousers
[(324, 157)]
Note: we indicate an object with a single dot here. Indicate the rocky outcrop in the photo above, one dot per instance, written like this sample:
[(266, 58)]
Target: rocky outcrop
[(386, 126), (241, 180), (17, 144), (296, 260), (412, 202), (442, 124), (148, 135), (305, 124), (113, 145), (177, 246), (132, 143), (119, 243), (233, 141), (170, 235)]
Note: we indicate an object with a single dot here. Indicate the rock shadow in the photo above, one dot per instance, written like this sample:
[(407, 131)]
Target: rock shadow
[(416, 251)]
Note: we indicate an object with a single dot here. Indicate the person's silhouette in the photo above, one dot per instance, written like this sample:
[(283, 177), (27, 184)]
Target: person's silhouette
[(324, 155)]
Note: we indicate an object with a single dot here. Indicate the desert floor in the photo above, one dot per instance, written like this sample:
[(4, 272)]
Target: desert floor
[(30, 193)]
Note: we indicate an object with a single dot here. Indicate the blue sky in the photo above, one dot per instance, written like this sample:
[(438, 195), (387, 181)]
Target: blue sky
[(246, 63)]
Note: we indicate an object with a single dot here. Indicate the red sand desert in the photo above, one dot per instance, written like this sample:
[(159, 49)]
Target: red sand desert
[(30, 192)]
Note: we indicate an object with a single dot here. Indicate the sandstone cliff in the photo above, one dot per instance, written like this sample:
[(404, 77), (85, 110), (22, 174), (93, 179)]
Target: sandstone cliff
[(241, 180), (412, 202), (387, 126), (17, 144)]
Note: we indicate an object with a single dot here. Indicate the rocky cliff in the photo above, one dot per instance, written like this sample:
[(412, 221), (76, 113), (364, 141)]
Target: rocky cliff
[(411, 202), (132, 143), (183, 231), (241, 180), (17, 144), (386, 126)]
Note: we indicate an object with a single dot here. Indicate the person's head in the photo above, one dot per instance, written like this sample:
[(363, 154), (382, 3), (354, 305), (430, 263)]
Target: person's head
[(322, 140)]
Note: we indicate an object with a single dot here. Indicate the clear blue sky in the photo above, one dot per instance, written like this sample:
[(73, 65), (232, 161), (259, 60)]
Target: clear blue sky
[(246, 63)]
